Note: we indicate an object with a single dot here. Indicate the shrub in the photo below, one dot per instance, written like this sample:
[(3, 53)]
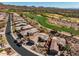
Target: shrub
[(66, 48)]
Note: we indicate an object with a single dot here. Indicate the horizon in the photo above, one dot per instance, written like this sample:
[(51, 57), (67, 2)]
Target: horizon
[(46, 4)]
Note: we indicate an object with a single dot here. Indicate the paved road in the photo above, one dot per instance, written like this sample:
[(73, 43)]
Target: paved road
[(22, 51)]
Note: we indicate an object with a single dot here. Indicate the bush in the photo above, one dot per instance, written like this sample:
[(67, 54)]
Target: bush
[(66, 48), (1, 50)]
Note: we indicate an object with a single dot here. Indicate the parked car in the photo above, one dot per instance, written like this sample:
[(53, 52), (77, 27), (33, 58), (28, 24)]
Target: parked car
[(18, 42)]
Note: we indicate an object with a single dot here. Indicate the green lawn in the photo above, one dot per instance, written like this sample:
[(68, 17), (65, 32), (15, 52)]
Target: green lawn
[(44, 22)]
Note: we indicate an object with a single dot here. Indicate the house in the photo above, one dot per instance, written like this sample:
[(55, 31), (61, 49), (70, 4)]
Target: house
[(17, 22), (43, 37), (34, 38), (30, 31), (76, 37), (24, 27), (18, 28), (20, 24), (1, 17), (2, 31), (27, 27), (65, 33)]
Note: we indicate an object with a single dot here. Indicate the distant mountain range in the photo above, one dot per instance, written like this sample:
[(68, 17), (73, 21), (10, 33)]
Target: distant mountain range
[(72, 8), (68, 12), (43, 7)]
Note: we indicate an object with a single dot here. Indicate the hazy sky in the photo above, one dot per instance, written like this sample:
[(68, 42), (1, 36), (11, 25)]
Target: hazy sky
[(47, 4)]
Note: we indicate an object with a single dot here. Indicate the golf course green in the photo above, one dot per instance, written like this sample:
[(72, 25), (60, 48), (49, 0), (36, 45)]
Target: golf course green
[(44, 22)]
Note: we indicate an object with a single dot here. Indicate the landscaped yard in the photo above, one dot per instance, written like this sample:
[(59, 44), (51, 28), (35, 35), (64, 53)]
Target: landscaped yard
[(44, 22), (1, 50)]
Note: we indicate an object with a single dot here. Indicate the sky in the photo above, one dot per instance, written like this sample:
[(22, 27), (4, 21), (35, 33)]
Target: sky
[(46, 4)]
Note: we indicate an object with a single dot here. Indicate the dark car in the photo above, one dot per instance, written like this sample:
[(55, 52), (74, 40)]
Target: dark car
[(18, 44), (15, 41), (30, 43)]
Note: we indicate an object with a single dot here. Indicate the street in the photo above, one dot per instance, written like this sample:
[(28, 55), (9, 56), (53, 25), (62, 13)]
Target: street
[(22, 51)]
